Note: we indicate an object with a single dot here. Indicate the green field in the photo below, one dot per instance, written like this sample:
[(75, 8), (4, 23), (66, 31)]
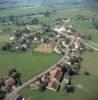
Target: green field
[(28, 64)]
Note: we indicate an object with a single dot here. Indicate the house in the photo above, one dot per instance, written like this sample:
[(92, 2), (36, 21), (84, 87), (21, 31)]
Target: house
[(18, 97), (53, 86), (59, 29), (64, 44), (56, 73), (77, 42), (9, 82), (66, 20), (12, 38), (57, 50)]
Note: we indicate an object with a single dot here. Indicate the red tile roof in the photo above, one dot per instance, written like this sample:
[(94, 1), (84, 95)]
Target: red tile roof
[(53, 86), (9, 82), (56, 73)]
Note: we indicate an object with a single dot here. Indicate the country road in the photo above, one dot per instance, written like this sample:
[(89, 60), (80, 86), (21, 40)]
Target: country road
[(89, 45), (11, 96)]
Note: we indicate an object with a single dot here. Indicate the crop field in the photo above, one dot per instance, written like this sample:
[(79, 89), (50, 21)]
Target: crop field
[(4, 38), (23, 10)]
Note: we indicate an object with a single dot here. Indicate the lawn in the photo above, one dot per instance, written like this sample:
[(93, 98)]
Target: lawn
[(27, 63)]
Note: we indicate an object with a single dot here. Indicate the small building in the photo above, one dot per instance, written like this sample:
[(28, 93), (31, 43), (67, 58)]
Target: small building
[(18, 97), (12, 38), (56, 73), (77, 42), (9, 82), (45, 78), (59, 29), (53, 86), (56, 49), (15, 96)]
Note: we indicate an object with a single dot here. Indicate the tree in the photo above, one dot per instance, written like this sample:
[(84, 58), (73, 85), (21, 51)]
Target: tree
[(18, 34), (42, 86), (16, 75), (7, 46), (47, 14), (47, 28), (35, 21), (95, 22), (1, 82), (11, 18), (2, 94), (89, 37)]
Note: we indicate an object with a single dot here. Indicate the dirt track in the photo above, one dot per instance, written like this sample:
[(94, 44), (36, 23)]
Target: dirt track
[(44, 48)]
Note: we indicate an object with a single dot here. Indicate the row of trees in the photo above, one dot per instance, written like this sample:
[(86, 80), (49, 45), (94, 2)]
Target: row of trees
[(82, 18), (95, 22), (13, 18)]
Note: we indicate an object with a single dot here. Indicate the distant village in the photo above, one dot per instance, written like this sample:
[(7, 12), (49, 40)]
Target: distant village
[(55, 39)]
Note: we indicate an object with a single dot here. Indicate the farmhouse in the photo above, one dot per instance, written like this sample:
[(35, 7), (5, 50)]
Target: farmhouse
[(56, 73), (77, 42), (18, 97), (60, 29), (45, 78), (9, 82), (53, 86), (56, 49)]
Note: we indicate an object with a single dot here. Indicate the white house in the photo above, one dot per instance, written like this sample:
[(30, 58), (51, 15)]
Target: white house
[(59, 29)]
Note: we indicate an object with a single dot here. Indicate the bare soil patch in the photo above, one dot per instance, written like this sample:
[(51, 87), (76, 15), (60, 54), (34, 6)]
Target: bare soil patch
[(44, 48), (4, 38)]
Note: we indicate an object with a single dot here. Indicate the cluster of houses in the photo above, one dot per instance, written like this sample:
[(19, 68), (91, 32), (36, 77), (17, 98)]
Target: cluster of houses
[(21, 41), (61, 73), (65, 39), (49, 80), (9, 83), (62, 39), (69, 44)]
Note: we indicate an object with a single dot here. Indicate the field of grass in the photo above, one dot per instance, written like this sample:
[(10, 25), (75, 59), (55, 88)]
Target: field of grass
[(24, 10)]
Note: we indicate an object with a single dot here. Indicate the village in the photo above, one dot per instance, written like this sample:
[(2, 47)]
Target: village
[(48, 50), (66, 44), (63, 41)]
